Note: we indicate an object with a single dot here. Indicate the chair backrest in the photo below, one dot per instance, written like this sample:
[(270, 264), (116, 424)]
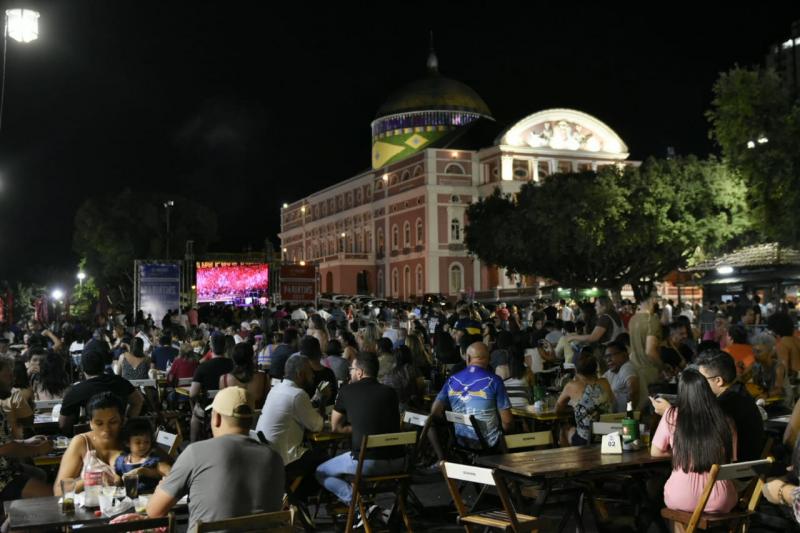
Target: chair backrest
[(279, 522), (617, 417), (135, 525), (458, 418), (529, 440), (168, 442), (473, 474), (391, 439), (744, 469), (415, 419)]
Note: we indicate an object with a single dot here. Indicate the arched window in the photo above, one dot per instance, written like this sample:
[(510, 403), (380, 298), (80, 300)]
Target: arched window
[(420, 230), (368, 241), (419, 287), (456, 278), (406, 282), (406, 174), (325, 248), (455, 230), (395, 283), (418, 170), (381, 289), (454, 168), (380, 241), (407, 235), (395, 237)]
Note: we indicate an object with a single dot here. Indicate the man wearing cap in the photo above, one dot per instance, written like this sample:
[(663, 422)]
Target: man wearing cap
[(227, 476)]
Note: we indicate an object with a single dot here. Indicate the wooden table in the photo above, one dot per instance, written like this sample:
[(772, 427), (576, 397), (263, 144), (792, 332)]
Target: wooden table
[(544, 416), (570, 468), (45, 514)]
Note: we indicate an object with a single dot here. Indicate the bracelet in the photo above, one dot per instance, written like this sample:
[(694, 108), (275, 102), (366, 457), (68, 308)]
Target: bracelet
[(780, 493)]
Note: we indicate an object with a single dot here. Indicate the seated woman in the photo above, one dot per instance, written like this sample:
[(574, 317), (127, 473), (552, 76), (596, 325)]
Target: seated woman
[(589, 396), (768, 373), (519, 384), (134, 364), (103, 442), (52, 380), (697, 434), (246, 375)]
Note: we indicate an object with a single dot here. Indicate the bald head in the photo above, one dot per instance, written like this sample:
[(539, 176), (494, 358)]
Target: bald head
[(478, 354)]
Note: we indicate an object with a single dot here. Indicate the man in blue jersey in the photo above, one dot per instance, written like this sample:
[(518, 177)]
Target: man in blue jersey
[(477, 391)]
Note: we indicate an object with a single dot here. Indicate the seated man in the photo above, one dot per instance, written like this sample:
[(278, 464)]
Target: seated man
[(740, 348), (227, 476), (206, 378), (282, 352), (621, 376), (93, 362), (287, 415), (364, 407), (477, 391), (719, 369)]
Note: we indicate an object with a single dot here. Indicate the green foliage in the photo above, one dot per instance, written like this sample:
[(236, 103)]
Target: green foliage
[(113, 231), (749, 105), (611, 228), (84, 295)]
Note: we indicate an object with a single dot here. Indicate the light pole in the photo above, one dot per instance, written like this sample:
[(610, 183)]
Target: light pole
[(81, 277), (22, 25), (167, 206)]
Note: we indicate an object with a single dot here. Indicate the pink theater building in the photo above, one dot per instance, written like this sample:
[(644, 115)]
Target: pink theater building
[(397, 229)]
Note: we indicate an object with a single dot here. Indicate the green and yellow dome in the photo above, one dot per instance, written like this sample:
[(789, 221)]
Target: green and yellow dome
[(421, 113)]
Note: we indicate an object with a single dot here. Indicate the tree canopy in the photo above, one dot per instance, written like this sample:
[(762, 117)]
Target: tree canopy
[(114, 230), (617, 226), (755, 118)]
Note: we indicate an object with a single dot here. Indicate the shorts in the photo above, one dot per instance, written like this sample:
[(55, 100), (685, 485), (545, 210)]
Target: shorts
[(13, 490)]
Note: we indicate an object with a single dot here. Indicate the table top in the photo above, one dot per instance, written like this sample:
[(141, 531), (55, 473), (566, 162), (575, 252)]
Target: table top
[(542, 417), (560, 462), (327, 436), (39, 513)]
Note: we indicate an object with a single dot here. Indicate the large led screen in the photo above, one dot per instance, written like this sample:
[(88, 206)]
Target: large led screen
[(236, 283)]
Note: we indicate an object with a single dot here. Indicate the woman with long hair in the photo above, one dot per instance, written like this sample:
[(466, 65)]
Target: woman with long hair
[(52, 381), (697, 434), (403, 378), (589, 395), (318, 330), (246, 375), (349, 345), (520, 382), (607, 326), (420, 356), (368, 338), (134, 364)]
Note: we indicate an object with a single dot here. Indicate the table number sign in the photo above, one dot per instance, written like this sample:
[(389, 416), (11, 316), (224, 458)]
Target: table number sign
[(612, 443)]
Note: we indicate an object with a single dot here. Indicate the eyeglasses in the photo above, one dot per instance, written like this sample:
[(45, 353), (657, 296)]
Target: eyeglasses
[(711, 377)]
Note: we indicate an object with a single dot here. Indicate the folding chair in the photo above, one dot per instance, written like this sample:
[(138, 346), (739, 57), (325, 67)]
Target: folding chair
[(168, 442), (421, 424), (470, 421), (737, 518), (135, 525), (505, 519), (279, 522), (396, 483)]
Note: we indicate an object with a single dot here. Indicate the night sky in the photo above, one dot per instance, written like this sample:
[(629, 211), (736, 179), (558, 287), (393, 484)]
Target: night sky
[(242, 106)]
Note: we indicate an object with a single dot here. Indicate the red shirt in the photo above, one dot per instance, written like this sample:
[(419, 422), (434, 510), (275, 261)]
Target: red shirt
[(183, 368)]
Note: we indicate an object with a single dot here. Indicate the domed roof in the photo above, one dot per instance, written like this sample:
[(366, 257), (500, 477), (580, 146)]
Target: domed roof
[(434, 92)]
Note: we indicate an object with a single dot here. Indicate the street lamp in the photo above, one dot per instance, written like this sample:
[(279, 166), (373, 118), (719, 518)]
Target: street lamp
[(57, 294), (22, 25), (167, 206), (81, 277)]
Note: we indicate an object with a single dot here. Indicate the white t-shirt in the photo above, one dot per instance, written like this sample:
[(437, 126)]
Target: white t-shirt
[(567, 315), (299, 314)]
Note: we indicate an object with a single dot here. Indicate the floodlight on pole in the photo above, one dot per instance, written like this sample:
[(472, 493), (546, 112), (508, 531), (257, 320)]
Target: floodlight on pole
[(22, 25), (57, 294)]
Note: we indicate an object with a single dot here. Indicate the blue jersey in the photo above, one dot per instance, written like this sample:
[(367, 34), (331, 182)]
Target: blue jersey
[(479, 392)]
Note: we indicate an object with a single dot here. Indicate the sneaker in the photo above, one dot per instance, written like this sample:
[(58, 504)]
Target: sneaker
[(358, 522), (376, 513)]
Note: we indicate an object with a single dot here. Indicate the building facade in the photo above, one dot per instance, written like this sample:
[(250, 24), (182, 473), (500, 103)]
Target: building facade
[(397, 230)]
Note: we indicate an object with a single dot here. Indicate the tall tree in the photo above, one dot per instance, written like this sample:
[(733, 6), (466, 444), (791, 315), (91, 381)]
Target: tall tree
[(755, 118), (113, 231), (613, 227)]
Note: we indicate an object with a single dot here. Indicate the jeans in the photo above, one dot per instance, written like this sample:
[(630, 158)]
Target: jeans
[(328, 473)]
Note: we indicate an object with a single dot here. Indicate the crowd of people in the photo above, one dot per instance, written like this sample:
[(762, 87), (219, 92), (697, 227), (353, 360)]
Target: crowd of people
[(698, 375)]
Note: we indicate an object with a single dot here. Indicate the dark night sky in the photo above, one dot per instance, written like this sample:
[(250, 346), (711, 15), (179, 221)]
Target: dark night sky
[(242, 106)]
